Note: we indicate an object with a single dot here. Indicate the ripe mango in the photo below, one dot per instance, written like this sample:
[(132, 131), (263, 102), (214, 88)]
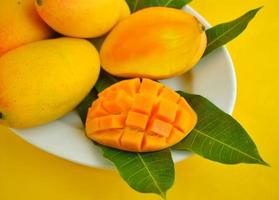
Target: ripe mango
[(139, 115), (124, 11), (20, 24), (44, 80), (82, 18), (155, 42)]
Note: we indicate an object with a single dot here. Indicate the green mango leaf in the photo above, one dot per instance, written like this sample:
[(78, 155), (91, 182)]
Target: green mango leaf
[(98, 42), (217, 136), (223, 33), (140, 4), (145, 172), (105, 80), (85, 104), (151, 172)]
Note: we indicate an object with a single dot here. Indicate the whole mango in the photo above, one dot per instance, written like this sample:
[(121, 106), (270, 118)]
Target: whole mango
[(20, 24), (44, 80), (82, 18), (155, 42)]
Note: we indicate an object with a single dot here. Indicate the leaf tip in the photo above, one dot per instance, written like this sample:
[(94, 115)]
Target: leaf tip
[(163, 195), (262, 162), (259, 8), (256, 10), (265, 163)]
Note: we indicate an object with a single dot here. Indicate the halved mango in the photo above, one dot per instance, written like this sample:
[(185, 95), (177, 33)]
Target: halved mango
[(139, 115), (155, 42)]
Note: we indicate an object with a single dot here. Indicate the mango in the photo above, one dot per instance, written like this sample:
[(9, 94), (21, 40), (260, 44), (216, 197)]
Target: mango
[(20, 24), (155, 43), (140, 116), (124, 10), (44, 80), (82, 18)]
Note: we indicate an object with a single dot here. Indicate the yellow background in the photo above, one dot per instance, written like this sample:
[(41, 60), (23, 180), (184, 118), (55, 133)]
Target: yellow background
[(28, 173)]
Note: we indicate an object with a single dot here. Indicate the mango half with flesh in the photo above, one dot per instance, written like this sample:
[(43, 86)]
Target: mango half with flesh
[(155, 42), (20, 24), (44, 80), (139, 115)]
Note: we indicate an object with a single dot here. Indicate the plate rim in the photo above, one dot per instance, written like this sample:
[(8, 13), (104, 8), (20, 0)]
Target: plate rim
[(227, 55)]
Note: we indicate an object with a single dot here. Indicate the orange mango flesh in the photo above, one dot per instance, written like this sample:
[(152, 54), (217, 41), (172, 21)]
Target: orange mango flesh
[(139, 116)]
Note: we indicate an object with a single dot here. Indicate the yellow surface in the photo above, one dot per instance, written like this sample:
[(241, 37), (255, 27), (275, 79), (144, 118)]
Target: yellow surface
[(27, 173)]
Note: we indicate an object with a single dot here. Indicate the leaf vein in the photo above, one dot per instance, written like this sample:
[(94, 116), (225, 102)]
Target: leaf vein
[(229, 30), (150, 174), (227, 145)]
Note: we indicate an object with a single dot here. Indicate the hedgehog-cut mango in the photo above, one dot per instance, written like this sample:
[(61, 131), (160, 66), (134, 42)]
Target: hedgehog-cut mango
[(139, 116)]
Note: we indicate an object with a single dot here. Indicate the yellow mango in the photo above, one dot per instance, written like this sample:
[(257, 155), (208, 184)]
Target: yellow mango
[(124, 10), (44, 80), (20, 24), (155, 42), (82, 18)]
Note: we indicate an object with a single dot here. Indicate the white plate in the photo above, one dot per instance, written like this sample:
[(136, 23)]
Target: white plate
[(214, 78)]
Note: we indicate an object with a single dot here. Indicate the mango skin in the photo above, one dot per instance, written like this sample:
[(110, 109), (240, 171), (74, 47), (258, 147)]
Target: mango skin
[(155, 43), (82, 18), (20, 24), (124, 10), (42, 81)]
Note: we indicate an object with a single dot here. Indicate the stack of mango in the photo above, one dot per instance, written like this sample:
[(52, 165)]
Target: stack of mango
[(48, 66)]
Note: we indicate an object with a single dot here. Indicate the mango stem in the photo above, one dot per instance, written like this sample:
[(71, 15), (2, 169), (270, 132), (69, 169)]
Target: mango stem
[(39, 2)]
